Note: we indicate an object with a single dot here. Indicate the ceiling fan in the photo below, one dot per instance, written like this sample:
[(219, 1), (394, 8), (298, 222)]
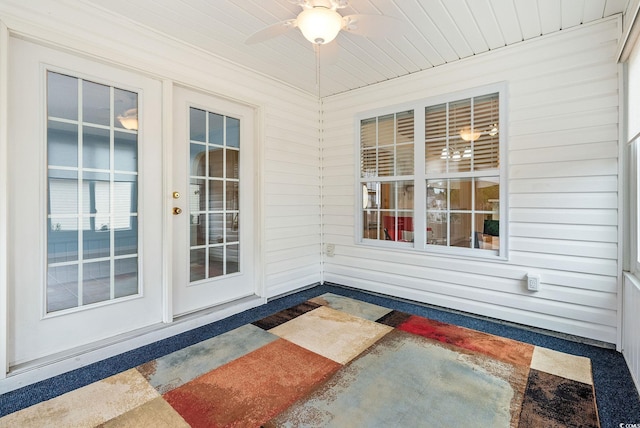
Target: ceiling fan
[(320, 23)]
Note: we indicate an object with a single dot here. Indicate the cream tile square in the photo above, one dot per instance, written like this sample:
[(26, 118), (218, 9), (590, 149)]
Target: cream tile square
[(156, 413), (332, 334), (561, 364), (87, 406), (351, 306)]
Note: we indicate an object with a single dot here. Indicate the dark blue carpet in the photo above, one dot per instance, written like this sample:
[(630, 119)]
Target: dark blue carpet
[(616, 395)]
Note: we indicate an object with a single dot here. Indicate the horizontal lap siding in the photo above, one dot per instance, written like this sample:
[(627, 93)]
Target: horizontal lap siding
[(563, 182), (291, 195)]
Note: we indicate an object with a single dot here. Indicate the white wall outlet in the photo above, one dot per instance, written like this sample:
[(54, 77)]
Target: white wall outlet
[(331, 250), (533, 282)]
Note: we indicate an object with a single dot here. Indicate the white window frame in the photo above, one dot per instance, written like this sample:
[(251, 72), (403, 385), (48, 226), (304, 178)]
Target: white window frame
[(633, 152), (420, 176)]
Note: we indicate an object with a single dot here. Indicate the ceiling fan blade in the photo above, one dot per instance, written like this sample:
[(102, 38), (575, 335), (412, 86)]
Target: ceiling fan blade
[(271, 31), (373, 26)]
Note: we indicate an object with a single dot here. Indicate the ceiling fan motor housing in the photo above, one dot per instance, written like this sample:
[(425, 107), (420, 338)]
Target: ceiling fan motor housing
[(319, 24)]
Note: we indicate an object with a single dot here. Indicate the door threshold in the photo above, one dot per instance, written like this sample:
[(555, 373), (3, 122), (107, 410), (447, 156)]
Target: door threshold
[(33, 371)]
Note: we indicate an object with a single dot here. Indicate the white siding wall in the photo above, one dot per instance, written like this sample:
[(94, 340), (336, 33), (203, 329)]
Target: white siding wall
[(563, 183), (288, 123)]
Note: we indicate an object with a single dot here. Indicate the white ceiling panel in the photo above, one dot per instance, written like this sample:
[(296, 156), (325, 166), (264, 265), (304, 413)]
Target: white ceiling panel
[(593, 10), (508, 21), (525, 10), (467, 25), (550, 15), (487, 22), (434, 32), (572, 13)]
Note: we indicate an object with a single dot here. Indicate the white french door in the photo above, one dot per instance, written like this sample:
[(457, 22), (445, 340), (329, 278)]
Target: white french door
[(85, 184), (213, 225)]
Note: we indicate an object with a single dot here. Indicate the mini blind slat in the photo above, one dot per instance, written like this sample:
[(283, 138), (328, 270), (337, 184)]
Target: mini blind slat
[(386, 145), (450, 131), (436, 122)]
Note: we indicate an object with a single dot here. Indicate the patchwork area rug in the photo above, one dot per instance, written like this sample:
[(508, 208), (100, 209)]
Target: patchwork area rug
[(336, 361)]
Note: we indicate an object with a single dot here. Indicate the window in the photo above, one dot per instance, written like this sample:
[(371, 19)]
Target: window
[(430, 176), (387, 175), (92, 151)]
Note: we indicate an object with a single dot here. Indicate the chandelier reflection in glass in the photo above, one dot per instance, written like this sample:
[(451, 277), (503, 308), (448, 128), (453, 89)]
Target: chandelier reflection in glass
[(468, 134)]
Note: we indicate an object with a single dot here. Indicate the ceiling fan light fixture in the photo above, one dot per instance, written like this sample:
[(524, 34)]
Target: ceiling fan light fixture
[(319, 24)]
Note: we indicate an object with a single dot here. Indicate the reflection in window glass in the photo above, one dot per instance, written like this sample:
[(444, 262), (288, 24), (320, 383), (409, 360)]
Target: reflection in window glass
[(92, 209)]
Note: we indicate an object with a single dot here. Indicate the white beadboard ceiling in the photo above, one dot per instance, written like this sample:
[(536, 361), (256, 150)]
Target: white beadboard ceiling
[(435, 32)]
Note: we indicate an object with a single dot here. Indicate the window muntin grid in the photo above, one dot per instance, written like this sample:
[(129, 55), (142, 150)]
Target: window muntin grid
[(92, 209), (214, 192)]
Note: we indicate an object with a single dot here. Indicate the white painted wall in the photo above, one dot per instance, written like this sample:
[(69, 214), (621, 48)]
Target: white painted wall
[(563, 188)]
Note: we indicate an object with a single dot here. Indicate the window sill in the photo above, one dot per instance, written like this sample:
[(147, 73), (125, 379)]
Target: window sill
[(477, 254)]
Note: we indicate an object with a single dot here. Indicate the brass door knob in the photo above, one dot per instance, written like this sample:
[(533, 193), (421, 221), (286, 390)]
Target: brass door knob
[(177, 210)]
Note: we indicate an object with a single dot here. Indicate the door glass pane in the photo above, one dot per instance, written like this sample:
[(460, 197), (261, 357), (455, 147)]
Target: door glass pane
[(231, 227), (95, 148), (216, 195), (233, 258), (216, 261), (126, 274), (92, 210), (233, 164), (216, 129), (126, 239), (125, 111), (216, 162), (125, 151), (62, 141), (197, 264), (96, 111), (233, 133), (62, 287), (197, 125), (214, 198), (198, 229), (96, 286), (62, 96), (197, 160), (232, 195)]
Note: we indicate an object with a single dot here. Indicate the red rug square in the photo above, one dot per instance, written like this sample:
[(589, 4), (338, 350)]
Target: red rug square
[(252, 389), (500, 348)]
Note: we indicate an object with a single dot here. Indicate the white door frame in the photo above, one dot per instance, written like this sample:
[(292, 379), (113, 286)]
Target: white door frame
[(189, 298)]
